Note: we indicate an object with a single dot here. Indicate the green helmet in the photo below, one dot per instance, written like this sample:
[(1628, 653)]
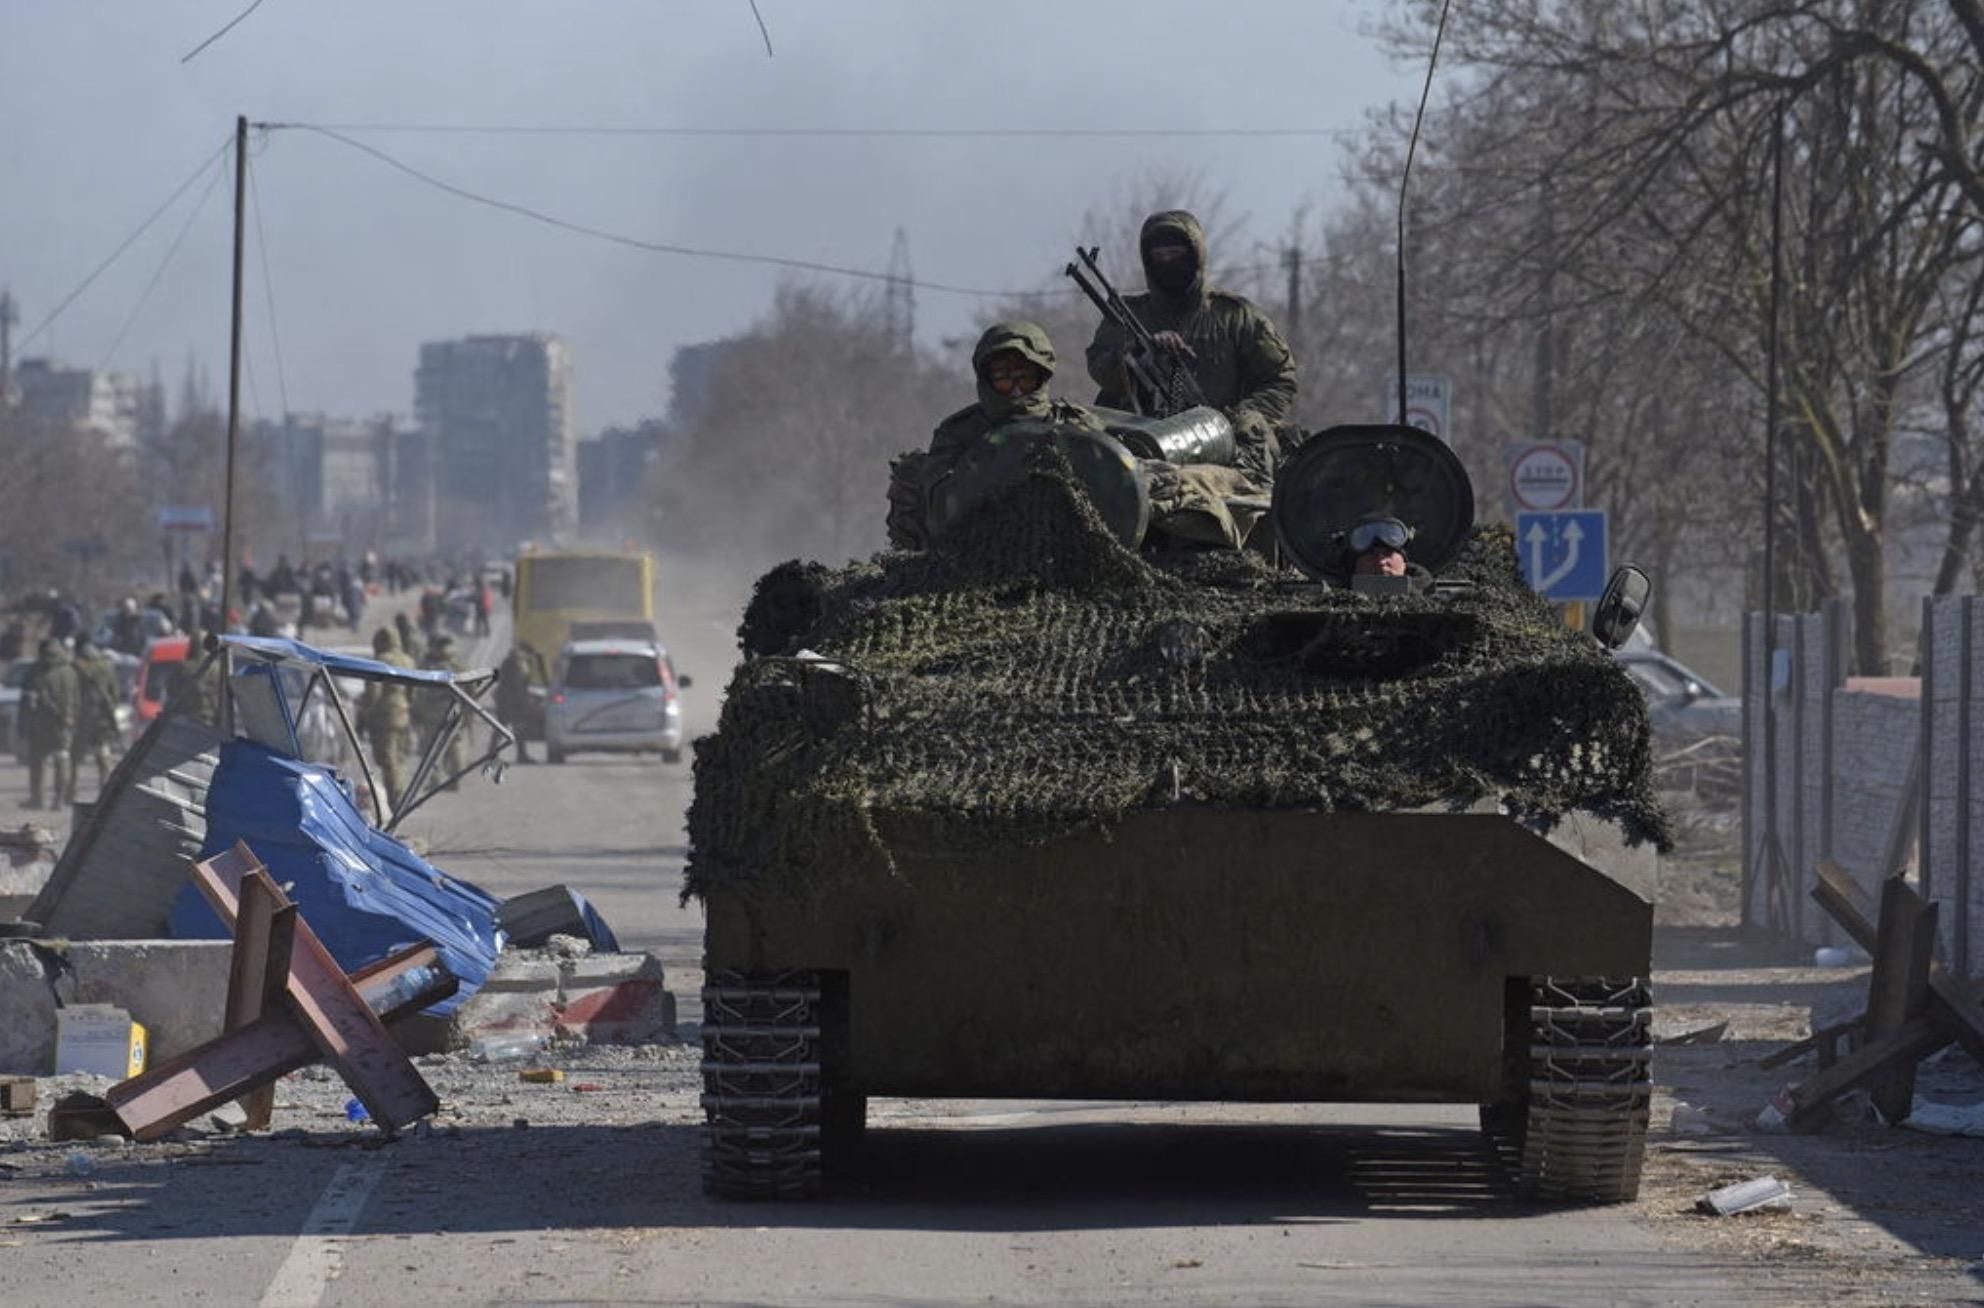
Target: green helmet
[(1026, 339)]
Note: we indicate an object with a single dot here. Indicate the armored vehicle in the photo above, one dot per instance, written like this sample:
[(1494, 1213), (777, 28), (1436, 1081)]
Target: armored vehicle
[(1034, 814)]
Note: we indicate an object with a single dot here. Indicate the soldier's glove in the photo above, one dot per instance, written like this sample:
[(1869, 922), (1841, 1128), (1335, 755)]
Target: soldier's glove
[(908, 529)]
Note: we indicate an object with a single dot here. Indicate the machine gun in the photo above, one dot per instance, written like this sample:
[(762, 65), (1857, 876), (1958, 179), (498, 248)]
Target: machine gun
[(1161, 385)]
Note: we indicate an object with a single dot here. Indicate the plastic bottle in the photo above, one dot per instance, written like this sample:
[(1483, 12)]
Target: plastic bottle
[(507, 1046), (406, 988), (80, 1164), (356, 1111)]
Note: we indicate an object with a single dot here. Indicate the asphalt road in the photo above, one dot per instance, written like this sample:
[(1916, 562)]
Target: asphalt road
[(951, 1204)]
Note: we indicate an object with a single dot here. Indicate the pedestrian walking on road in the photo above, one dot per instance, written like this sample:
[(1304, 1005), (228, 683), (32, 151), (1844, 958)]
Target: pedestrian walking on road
[(96, 721), (52, 702), (386, 716), (513, 695)]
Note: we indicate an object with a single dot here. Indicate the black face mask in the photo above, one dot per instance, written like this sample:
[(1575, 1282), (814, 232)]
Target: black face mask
[(1174, 277)]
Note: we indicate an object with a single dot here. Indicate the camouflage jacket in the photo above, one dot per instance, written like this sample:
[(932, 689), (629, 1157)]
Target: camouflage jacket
[(52, 702), (1242, 364)]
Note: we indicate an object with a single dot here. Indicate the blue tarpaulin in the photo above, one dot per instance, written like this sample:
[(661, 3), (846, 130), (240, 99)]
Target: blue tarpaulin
[(364, 893), (276, 650)]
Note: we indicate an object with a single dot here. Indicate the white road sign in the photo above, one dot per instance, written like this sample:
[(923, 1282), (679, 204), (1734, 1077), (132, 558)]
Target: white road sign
[(1428, 403), (1545, 476)]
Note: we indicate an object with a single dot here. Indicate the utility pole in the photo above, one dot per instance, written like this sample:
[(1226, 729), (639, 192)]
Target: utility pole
[(899, 299), (233, 398), (9, 315), (1543, 399), (1292, 258)]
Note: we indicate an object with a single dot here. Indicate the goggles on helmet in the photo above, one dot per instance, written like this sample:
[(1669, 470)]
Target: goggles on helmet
[(1381, 531)]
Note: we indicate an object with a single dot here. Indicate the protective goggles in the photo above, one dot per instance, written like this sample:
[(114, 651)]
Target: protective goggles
[(1384, 531)]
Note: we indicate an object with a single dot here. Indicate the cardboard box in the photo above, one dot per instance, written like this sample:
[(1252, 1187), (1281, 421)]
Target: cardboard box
[(98, 1038)]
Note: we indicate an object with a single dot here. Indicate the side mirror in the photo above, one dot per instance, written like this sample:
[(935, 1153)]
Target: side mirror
[(1619, 608), (684, 680)]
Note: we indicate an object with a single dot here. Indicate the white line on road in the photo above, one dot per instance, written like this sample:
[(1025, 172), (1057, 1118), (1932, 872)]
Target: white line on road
[(316, 1258)]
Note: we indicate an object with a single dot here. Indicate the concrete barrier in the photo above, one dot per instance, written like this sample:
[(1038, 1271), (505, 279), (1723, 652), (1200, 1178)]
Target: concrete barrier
[(608, 999), (176, 988)]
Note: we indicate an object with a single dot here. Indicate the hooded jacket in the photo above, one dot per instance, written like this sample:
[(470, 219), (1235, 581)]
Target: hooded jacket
[(957, 433), (1242, 364)]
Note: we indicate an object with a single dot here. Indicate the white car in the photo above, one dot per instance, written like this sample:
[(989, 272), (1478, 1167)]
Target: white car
[(621, 696)]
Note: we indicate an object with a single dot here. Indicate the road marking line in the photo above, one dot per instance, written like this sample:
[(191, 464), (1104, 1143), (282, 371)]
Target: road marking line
[(316, 1257)]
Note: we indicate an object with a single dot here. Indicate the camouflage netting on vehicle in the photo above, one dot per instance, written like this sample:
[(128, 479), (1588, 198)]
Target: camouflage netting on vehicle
[(1029, 677)]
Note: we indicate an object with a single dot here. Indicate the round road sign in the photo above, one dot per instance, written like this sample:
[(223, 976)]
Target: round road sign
[(1544, 477)]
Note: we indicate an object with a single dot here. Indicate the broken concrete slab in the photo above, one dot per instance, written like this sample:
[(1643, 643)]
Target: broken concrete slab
[(177, 989), (595, 998)]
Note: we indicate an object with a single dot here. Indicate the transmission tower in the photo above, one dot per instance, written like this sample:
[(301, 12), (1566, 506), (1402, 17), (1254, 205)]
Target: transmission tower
[(899, 297)]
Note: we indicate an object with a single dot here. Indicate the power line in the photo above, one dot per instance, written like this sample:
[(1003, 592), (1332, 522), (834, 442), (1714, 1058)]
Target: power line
[(817, 133), (689, 251), (762, 29), (158, 273), (125, 244), (268, 288), (632, 242), (231, 25)]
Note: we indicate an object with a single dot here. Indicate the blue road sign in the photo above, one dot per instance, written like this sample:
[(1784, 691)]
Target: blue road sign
[(1563, 553)]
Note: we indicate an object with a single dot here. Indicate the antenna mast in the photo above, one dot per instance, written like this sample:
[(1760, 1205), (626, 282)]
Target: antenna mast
[(1432, 62)]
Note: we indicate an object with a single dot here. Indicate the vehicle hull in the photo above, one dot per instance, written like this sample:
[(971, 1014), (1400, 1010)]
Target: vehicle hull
[(1205, 955)]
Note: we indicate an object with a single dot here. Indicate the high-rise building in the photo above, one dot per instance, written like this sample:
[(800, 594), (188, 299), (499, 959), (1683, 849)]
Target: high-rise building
[(498, 414), (88, 399), (353, 484)]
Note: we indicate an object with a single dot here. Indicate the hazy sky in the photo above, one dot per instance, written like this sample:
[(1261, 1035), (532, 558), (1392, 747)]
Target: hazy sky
[(103, 121)]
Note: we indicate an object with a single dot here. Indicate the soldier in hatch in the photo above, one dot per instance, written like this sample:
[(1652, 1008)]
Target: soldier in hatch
[(386, 717), (1376, 547), (1241, 363), (1013, 362)]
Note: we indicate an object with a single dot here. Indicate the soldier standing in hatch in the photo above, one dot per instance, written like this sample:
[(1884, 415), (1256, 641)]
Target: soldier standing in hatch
[(1013, 362), (386, 716), (1242, 365), (96, 721), (51, 705)]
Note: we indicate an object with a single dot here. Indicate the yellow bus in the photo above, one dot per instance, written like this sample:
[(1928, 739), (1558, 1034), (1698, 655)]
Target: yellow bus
[(564, 595)]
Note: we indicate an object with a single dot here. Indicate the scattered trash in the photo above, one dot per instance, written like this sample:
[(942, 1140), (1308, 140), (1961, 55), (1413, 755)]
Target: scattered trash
[(16, 1096), (1183, 1264), (228, 1117), (1837, 956), (1775, 1116), (1707, 1035), (79, 1164), (533, 919), (1946, 1119), (1690, 1120), (1857, 1108), (100, 1039), (587, 1087), (506, 1047), (1746, 1197), (356, 1111), (541, 1075), (41, 1219)]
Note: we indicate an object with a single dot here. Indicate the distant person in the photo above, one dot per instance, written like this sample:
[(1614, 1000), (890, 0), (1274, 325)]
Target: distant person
[(127, 629), (385, 714), (51, 702), (513, 698), (430, 710), (97, 735), (484, 601), (403, 628)]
